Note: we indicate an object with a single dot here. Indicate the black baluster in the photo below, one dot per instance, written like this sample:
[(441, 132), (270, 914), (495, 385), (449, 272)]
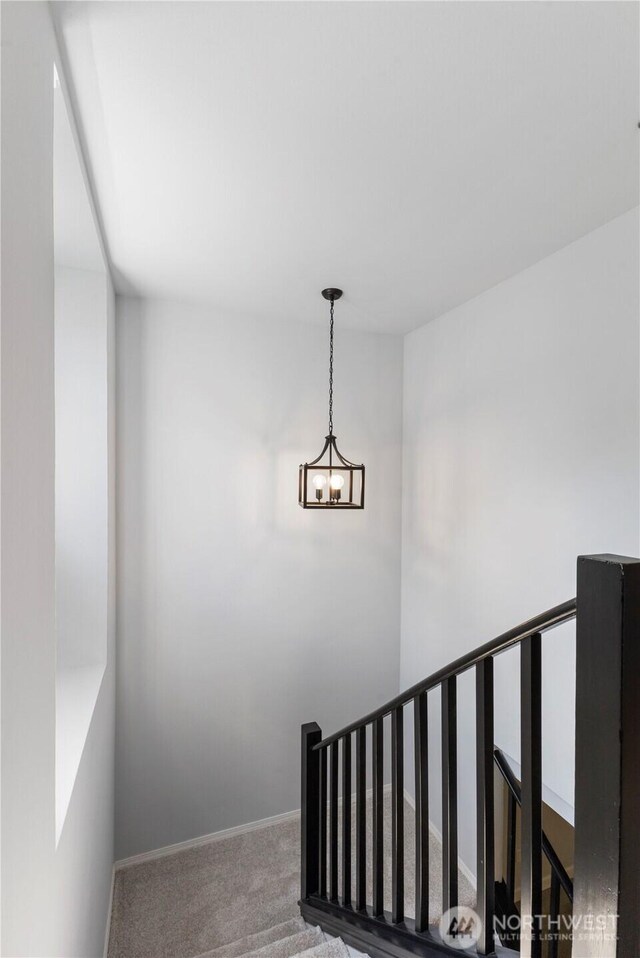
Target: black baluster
[(361, 818), (333, 816), (421, 764), (554, 915), (323, 822), (397, 816), (449, 795), (346, 820), (511, 845), (531, 813), (378, 812), (310, 807), (485, 798)]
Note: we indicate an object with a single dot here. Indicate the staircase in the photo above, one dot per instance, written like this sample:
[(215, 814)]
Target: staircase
[(335, 891), (375, 878)]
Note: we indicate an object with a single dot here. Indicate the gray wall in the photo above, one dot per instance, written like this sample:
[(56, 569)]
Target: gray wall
[(240, 614), (521, 440), (54, 899)]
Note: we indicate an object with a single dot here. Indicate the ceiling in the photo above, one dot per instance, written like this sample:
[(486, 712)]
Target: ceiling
[(245, 155)]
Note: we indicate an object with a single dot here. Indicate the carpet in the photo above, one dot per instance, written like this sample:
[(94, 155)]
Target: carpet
[(209, 899)]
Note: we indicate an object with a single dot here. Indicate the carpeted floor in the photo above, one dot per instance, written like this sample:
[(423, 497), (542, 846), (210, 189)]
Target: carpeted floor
[(195, 901)]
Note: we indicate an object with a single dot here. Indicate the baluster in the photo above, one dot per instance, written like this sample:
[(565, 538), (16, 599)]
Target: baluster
[(397, 816), (511, 845), (361, 818), (531, 813), (421, 766), (554, 914), (309, 810), (346, 820), (485, 820), (377, 756), (333, 816), (449, 795), (323, 822)]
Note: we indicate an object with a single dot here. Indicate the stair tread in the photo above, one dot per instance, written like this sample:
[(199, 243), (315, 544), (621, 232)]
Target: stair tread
[(334, 948), (251, 943), (289, 946), (293, 945)]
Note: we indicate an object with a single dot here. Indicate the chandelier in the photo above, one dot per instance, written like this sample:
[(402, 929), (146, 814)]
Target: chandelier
[(331, 481)]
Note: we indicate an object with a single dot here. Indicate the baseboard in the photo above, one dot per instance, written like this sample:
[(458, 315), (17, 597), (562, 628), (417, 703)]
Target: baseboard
[(107, 930), (255, 826), (219, 836), (205, 839), (437, 834)]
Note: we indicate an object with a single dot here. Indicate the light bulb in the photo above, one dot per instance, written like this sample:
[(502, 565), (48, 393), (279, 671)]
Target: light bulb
[(319, 482), (336, 482)]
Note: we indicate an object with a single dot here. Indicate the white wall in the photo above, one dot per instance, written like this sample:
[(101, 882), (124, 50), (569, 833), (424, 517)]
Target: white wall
[(81, 466), (81, 509), (54, 900), (242, 615), (521, 435)]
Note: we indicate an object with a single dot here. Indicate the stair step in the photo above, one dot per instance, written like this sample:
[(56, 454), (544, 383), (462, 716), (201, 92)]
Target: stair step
[(302, 941), (290, 946), (334, 948), (243, 946)]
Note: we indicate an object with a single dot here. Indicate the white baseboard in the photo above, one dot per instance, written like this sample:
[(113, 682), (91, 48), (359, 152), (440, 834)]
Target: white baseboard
[(107, 930), (250, 827), (205, 839), (437, 834), (219, 836)]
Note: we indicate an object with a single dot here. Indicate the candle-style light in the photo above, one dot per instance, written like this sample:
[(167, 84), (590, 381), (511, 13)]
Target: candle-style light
[(331, 481)]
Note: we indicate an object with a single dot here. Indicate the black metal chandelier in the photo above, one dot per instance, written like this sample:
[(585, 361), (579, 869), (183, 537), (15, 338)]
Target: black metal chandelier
[(331, 481)]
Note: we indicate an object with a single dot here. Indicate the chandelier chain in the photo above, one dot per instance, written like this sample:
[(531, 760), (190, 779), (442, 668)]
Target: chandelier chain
[(331, 371)]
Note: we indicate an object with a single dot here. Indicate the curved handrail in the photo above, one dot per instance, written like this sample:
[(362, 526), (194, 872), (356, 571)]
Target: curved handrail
[(540, 623), (556, 865)]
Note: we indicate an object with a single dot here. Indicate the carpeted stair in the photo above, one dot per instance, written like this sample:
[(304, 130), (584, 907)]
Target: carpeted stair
[(291, 939), (237, 896)]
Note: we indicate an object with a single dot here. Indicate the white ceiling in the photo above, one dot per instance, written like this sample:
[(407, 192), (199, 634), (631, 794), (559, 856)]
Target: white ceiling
[(248, 154)]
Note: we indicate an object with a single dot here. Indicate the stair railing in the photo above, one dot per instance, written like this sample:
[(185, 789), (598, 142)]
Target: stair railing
[(560, 880), (607, 782)]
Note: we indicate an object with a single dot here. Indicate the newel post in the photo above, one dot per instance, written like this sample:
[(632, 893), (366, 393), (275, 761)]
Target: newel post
[(607, 783), (310, 811)]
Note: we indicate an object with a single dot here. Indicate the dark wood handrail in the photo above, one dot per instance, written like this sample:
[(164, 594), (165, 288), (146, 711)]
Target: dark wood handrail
[(541, 623), (512, 783)]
